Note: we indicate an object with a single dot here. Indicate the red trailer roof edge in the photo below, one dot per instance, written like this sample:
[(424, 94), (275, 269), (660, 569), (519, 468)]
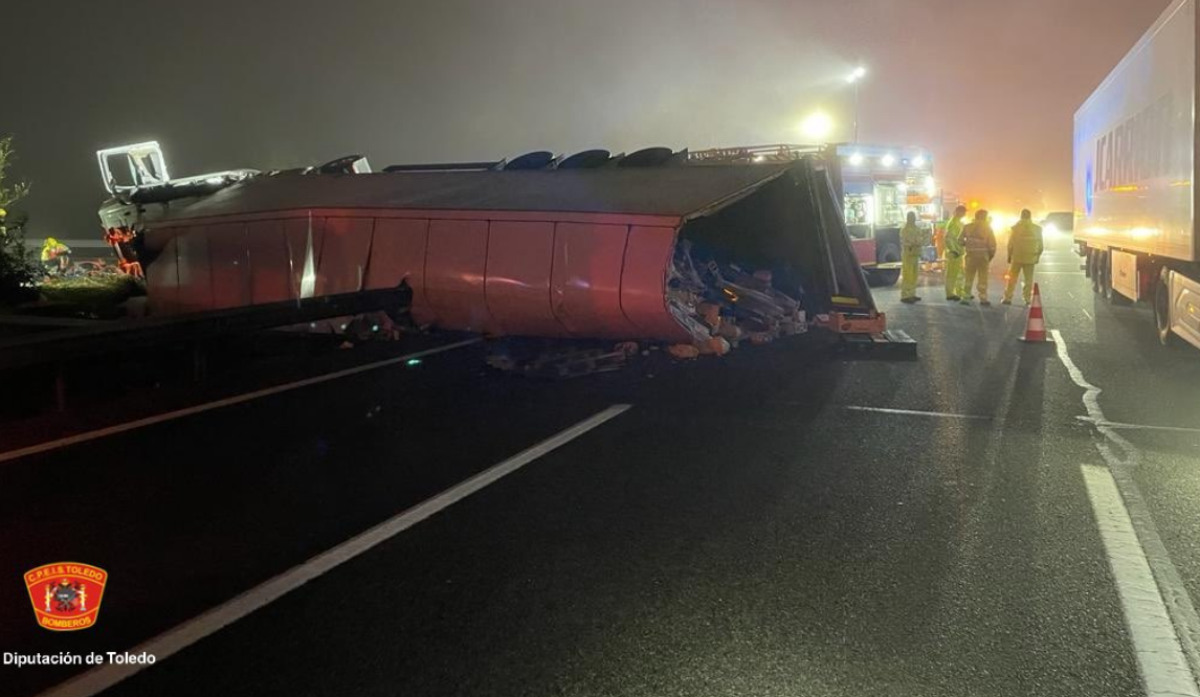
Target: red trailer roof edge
[(436, 214)]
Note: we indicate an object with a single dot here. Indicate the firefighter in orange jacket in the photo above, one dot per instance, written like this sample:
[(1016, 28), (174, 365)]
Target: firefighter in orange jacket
[(980, 244)]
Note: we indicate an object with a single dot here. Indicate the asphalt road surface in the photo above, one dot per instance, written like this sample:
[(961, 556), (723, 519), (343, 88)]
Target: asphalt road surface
[(991, 519)]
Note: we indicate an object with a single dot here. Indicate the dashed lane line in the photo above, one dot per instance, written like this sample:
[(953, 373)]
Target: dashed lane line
[(1162, 620), (182, 636), (218, 404), (1117, 425), (916, 412)]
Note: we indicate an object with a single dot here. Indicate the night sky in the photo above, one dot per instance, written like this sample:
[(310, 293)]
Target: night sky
[(990, 87)]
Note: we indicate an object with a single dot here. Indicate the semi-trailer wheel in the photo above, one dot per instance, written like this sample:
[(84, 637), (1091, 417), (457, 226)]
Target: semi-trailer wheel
[(888, 254)]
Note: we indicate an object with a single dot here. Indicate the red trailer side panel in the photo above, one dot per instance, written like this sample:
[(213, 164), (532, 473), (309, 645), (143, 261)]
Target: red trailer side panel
[(269, 278), (519, 264), (455, 269), (303, 239), (230, 265), (344, 248), (195, 273), (644, 282), (162, 281), (398, 254), (586, 281)]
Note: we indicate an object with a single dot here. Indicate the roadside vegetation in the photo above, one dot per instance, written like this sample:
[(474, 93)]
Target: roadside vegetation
[(83, 289), (18, 268), (91, 293)]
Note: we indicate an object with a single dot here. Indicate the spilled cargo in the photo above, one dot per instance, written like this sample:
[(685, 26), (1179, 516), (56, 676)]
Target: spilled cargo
[(645, 248)]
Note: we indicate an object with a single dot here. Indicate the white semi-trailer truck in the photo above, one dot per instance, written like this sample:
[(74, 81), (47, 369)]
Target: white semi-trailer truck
[(1135, 177)]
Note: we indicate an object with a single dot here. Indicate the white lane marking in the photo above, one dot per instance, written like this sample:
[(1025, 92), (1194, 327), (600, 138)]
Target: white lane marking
[(228, 401), (1087, 314), (912, 412), (1160, 657), (1139, 427), (1169, 588), (1091, 402), (180, 637)]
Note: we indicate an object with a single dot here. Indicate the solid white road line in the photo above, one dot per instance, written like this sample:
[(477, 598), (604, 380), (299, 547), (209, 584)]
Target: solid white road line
[(1169, 590), (228, 401), (174, 640), (1160, 657), (1139, 427), (911, 412)]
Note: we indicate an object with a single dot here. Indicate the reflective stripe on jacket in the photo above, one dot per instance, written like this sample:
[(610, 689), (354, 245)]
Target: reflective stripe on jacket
[(912, 238), (978, 238), (1025, 244)]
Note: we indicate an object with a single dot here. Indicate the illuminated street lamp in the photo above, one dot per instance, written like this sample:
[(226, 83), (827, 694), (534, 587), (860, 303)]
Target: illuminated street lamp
[(817, 127), (855, 78)]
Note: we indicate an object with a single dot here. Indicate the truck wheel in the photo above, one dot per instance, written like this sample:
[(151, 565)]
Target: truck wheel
[(1093, 264), (881, 278), (1087, 264), (888, 254), (1162, 310), (1099, 269)]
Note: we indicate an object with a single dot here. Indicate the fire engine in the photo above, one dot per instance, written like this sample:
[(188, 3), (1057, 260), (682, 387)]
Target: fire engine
[(878, 186)]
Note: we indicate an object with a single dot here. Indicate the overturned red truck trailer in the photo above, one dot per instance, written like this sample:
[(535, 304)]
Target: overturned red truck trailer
[(591, 252)]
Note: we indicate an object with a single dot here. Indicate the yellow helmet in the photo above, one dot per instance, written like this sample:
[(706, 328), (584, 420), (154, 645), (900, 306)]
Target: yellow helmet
[(51, 242), (3, 212)]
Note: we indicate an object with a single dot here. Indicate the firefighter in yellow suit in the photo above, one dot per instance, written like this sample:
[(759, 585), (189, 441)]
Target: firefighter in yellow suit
[(1024, 252), (954, 255), (979, 242), (912, 241)]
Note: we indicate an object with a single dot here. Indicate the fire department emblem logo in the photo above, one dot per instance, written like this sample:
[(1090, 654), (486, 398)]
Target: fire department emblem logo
[(66, 596)]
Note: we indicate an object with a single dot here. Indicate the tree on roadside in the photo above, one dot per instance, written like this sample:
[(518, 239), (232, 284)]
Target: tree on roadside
[(18, 268), (10, 192)]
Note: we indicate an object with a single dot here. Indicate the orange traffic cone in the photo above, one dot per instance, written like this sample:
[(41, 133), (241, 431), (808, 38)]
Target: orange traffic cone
[(1035, 326)]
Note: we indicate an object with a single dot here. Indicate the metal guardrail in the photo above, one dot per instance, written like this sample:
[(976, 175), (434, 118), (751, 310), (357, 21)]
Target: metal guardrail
[(48, 347)]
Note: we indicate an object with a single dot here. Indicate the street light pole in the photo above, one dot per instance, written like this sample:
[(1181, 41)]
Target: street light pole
[(855, 79), (856, 83)]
